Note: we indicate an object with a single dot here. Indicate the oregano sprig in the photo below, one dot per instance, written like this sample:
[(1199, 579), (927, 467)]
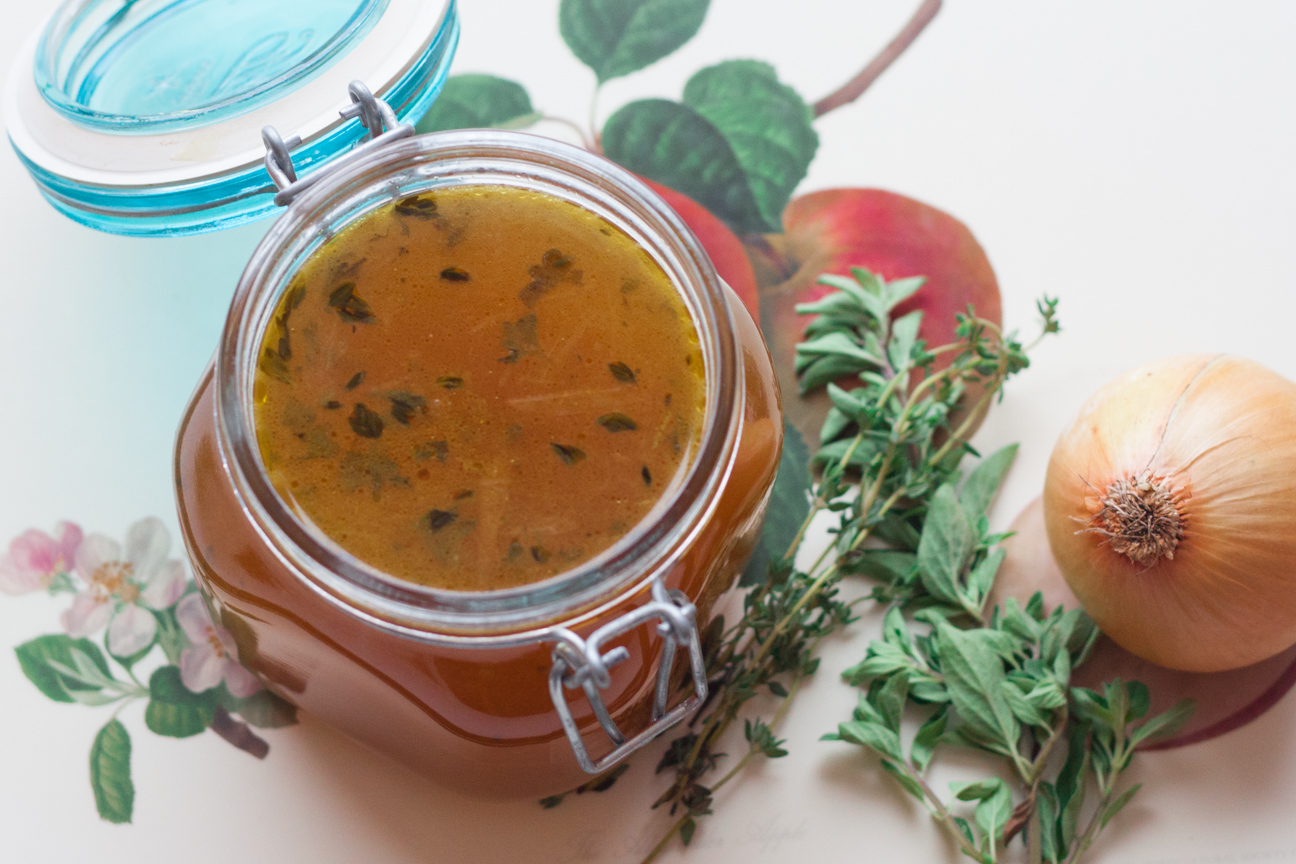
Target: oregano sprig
[(888, 453)]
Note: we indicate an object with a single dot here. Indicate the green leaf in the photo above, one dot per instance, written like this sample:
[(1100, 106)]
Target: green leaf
[(1115, 807), (994, 812), (778, 689), (687, 827), (34, 657), (173, 709), (110, 775), (738, 144), (1164, 724), (946, 543), (1071, 785), (872, 735), (788, 507), (478, 102), (965, 828), (617, 37), (981, 579), (981, 485), (974, 675), (976, 791), (910, 785), (1047, 804), (890, 700), (929, 735), (1139, 699), (904, 333)]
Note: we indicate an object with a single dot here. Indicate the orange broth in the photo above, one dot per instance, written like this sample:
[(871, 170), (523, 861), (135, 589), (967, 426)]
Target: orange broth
[(478, 388)]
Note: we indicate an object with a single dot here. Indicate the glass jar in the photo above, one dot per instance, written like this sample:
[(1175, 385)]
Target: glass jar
[(520, 691)]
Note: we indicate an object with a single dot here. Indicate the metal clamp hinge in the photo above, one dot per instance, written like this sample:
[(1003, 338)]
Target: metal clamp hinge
[(375, 115), (581, 663)]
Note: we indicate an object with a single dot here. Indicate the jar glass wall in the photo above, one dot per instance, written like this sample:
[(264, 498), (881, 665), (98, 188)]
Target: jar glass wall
[(457, 683)]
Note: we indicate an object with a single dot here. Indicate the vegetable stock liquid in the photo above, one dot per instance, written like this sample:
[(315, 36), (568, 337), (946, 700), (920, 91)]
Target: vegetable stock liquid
[(478, 388)]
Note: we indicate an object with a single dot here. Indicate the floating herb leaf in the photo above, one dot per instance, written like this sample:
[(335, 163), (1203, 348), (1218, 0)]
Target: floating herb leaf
[(520, 338), (435, 520), (356, 380), (364, 422), (349, 306), (460, 496), (647, 476), (450, 382), (568, 454), (332, 405), (418, 206), (454, 274), (539, 554), (405, 406), (554, 269), (272, 364), (622, 372), (438, 450), (616, 422)]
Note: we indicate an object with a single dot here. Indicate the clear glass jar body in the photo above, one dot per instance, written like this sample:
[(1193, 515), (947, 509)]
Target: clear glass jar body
[(456, 684)]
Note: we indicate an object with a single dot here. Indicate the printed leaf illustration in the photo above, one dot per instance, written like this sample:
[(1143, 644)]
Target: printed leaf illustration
[(479, 101), (787, 508), (738, 143), (617, 37), (110, 776), (174, 710), (34, 657)]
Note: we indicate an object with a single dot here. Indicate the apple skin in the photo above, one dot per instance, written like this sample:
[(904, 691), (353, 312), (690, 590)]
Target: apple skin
[(893, 236), (727, 252)]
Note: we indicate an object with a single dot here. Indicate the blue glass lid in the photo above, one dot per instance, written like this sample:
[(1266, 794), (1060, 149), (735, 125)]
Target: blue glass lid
[(144, 116)]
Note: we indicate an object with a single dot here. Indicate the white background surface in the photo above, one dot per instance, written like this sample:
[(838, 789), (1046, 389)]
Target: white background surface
[(1135, 158)]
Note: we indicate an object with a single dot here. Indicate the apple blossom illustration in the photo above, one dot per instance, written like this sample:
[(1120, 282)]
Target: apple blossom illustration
[(132, 609)]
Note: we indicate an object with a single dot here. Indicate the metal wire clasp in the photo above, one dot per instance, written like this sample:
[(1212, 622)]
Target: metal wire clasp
[(581, 663), (375, 115)]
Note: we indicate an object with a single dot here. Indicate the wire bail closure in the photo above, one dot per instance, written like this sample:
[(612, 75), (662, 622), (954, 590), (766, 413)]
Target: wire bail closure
[(375, 115), (581, 663)]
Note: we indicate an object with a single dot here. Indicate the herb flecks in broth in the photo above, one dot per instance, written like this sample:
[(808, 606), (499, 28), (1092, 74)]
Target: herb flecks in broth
[(459, 390)]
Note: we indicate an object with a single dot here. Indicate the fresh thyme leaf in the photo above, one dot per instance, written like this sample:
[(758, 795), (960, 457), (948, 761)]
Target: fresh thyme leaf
[(364, 422), (355, 381), (438, 450), (622, 372), (450, 382), (332, 405), (647, 476), (455, 274), (616, 422), (568, 454), (349, 306)]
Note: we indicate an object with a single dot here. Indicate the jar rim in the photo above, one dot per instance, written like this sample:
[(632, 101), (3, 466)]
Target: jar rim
[(479, 157)]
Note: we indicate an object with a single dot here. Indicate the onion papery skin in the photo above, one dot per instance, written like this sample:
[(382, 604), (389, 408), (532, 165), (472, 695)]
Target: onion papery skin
[(1217, 433)]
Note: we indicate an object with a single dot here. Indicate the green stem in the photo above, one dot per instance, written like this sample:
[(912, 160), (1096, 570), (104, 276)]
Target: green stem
[(946, 818)]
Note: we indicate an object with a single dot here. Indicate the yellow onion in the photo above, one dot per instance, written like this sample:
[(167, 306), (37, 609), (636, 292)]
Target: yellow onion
[(1170, 507)]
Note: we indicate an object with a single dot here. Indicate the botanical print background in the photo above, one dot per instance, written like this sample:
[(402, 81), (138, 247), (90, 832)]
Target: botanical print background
[(1027, 124)]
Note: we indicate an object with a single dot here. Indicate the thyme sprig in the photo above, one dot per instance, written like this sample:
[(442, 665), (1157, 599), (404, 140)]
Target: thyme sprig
[(889, 450)]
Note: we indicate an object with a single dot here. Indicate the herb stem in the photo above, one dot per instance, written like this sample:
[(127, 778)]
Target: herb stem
[(942, 814), (585, 140)]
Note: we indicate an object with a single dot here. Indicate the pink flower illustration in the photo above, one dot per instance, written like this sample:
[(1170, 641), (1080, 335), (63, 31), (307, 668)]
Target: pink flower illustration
[(36, 559), (210, 658), (121, 587)]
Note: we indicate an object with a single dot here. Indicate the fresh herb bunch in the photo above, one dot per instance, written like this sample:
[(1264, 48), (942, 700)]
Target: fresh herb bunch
[(889, 452)]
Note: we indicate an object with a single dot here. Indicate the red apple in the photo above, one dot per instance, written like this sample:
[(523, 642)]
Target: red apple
[(724, 247), (889, 234)]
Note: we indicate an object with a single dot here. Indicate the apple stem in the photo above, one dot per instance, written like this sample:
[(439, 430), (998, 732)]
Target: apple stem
[(854, 88)]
